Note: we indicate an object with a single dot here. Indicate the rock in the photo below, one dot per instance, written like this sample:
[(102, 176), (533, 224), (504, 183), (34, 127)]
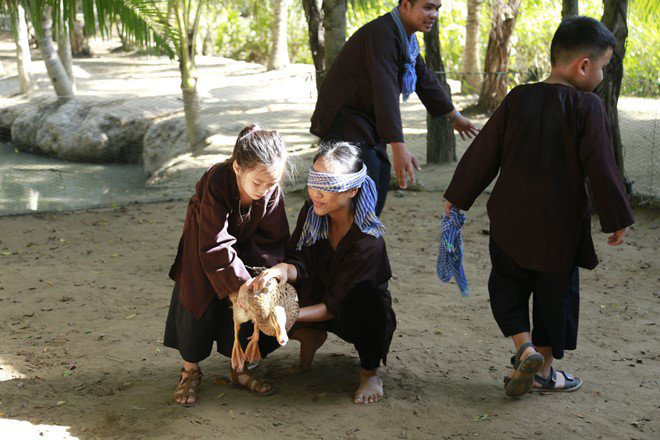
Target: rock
[(183, 171), (26, 125), (8, 115), (164, 140), (108, 131), (94, 133)]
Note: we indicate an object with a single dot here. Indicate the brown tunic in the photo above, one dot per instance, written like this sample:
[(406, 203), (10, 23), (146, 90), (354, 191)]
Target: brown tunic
[(544, 140), (364, 84), (218, 240), (327, 276)]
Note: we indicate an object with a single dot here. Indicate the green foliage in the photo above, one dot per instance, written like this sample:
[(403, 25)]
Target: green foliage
[(245, 32)]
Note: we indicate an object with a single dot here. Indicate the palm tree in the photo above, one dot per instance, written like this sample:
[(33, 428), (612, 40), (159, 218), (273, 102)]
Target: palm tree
[(20, 34), (471, 79), (279, 54), (171, 26)]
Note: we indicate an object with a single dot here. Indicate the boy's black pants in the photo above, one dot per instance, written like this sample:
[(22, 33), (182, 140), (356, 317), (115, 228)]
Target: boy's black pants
[(556, 302)]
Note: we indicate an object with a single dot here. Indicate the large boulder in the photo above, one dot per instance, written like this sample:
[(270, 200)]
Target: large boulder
[(164, 140), (8, 114), (26, 125), (106, 131)]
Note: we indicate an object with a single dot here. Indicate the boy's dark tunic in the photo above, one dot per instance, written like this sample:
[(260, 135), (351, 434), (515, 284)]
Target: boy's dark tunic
[(545, 139), (359, 98), (218, 240), (352, 281)]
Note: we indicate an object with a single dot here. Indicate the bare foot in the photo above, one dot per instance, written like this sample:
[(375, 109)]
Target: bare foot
[(370, 389), (310, 341)]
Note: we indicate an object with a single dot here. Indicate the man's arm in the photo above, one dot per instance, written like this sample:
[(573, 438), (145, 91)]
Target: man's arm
[(438, 101)]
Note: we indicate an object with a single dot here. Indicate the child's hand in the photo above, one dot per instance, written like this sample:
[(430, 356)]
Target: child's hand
[(279, 272), (448, 206), (617, 237)]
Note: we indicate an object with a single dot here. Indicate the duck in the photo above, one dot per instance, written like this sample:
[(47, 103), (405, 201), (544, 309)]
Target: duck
[(273, 310)]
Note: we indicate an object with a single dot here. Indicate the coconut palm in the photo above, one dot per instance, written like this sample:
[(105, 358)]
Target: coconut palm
[(19, 32)]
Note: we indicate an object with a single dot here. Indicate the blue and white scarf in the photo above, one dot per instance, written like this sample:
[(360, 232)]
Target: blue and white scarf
[(410, 51), (316, 228), (450, 250)]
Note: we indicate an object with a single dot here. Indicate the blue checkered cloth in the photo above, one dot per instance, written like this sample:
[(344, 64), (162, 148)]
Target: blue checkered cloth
[(410, 52), (316, 227), (450, 250)]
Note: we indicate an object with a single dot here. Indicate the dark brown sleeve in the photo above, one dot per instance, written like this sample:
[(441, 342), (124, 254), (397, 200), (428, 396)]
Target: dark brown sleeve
[(271, 237), (363, 264), (224, 269), (434, 97), (596, 154), (480, 163), (382, 66), (294, 256)]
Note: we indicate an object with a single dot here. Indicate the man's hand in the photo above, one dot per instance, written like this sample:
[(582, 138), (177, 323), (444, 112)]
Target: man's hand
[(462, 125), (404, 164), (617, 237), (448, 206)]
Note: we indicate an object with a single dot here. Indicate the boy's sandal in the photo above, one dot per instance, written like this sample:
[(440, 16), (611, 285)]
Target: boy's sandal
[(525, 370), (253, 384), (187, 386), (549, 384)]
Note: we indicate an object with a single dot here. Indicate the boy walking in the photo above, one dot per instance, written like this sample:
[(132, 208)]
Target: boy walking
[(545, 140)]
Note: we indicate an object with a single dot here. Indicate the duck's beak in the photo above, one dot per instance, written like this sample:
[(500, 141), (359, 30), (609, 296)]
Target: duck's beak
[(278, 319)]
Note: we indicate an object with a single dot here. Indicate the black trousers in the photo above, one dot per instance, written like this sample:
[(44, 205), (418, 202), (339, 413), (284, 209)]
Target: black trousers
[(367, 321), (556, 302), (194, 337)]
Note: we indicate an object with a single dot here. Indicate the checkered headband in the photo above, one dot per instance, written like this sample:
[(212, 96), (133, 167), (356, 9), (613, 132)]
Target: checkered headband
[(316, 228)]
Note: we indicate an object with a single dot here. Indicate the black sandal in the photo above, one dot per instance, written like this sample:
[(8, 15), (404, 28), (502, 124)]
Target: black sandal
[(549, 384), (525, 371)]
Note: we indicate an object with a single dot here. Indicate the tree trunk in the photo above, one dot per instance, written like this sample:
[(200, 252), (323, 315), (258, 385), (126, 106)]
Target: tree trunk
[(569, 8), (615, 19), (279, 54), (494, 86), (314, 16), (54, 67), (471, 80), (186, 53), (79, 42), (440, 139), (23, 56), (334, 29), (64, 49)]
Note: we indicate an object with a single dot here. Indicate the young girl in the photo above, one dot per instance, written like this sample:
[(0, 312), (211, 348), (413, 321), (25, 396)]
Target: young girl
[(235, 221), (337, 260)]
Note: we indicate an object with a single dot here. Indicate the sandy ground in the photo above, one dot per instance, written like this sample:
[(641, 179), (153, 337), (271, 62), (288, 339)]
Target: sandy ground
[(84, 296)]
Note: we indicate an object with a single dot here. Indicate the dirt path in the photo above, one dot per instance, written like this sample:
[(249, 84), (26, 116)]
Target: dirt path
[(83, 300)]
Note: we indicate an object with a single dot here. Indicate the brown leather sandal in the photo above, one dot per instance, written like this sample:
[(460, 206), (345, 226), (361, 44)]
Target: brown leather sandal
[(188, 385), (253, 384)]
